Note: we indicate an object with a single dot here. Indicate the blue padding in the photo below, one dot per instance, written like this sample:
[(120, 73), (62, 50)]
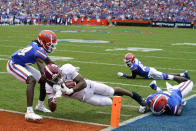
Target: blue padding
[(185, 122)]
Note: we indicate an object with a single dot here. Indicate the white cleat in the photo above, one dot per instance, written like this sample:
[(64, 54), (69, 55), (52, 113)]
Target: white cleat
[(42, 108), (32, 116)]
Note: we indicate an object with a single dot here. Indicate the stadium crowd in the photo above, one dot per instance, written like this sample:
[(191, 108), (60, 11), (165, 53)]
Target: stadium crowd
[(62, 11)]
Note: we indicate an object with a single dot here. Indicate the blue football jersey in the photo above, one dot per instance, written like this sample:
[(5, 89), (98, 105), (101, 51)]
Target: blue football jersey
[(27, 55), (174, 100), (140, 68)]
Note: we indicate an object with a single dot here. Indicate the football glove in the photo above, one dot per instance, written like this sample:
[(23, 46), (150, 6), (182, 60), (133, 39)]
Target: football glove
[(120, 74), (66, 90)]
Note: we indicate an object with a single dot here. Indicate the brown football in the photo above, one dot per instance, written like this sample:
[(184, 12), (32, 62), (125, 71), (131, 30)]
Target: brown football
[(52, 106)]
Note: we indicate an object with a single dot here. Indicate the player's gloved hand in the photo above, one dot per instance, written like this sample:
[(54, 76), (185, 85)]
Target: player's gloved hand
[(120, 74), (144, 109), (66, 90), (57, 89)]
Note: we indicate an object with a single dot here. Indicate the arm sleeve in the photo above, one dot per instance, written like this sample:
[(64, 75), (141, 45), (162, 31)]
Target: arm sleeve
[(41, 54)]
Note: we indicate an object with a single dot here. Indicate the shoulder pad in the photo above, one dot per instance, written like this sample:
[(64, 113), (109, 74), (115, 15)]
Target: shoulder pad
[(67, 69)]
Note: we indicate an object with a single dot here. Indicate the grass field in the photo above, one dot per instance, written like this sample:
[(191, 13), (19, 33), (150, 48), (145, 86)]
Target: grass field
[(100, 62)]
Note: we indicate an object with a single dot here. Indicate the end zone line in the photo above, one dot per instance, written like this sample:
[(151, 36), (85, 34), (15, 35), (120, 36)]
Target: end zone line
[(54, 118), (140, 117)]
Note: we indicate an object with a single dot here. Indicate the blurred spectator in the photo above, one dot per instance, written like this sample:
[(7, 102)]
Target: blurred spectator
[(62, 11)]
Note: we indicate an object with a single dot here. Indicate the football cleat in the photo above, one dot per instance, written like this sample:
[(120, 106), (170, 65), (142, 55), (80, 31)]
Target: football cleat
[(42, 108), (186, 75), (32, 116), (153, 85)]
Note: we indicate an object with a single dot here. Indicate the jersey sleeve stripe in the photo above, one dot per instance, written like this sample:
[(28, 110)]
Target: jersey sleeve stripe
[(42, 51), (41, 55)]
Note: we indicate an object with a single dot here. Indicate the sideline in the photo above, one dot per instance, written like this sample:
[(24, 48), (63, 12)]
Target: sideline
[(54, 118)]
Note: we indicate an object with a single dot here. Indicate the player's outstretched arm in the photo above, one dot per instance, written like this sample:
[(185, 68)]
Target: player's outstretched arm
[(133, 76), (80, 83)]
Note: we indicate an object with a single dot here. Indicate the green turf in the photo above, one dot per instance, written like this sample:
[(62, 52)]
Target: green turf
[(97, 64)]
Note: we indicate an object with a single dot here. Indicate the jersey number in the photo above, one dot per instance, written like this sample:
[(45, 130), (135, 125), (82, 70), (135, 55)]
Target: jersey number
[(25, 50)]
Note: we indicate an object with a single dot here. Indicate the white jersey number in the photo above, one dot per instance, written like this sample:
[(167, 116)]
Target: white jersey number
[(25, 50)]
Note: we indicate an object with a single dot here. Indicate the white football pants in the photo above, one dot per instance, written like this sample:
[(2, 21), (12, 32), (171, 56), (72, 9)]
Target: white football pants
[(98, 94), (21, 73), (154, 74), (185, 87)]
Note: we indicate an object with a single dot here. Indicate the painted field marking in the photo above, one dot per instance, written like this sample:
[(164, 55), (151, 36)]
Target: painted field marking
[(123, 84), (49, 117), (109, 64), (109, 113), (83, 41), (192, 44), (87, 52), (135, 49)]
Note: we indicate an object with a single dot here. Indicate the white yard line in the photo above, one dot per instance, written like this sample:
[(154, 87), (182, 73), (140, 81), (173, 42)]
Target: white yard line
[(123, 84), (88, 52), (109, 113), (92, 123)]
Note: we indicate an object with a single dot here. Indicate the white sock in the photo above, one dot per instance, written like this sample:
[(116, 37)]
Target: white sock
[(170, 77), (40, 103), (29, 109)]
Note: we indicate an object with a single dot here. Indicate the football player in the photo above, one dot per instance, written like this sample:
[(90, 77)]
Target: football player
[(91, 92), (138, 68), (170, 101), (20, 67)]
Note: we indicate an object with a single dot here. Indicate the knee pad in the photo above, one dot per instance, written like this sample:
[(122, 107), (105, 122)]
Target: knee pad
[(30, 80)]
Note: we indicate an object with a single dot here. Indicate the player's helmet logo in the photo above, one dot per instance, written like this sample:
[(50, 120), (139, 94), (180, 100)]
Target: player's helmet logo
[(129, 59), (158, 104), (52, 72), (48, 40)]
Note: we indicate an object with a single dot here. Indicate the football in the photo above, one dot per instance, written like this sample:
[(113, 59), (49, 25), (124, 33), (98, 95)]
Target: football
[(52, 106), (70, 84)]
